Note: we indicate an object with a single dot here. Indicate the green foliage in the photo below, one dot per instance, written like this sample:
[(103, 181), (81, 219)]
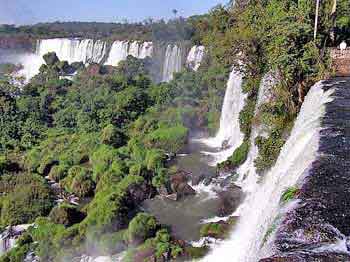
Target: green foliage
[(79, 181), (47, 235), (26, 199), (141, 227), (110, 135), (109, 206), (215, 230), (170, 139), (197, 252), (66, 215), (238, 157), (289, 194)]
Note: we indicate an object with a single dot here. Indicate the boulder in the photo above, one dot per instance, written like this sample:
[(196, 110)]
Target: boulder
[(229, 199), (51, 58), (179, 185)]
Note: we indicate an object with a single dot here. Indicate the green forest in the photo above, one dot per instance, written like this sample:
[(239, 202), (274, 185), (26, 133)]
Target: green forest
[(106, 136)]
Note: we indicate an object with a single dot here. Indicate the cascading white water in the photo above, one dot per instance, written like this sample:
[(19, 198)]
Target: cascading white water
[(172, 62), (229, 135), (146, 50), (195, 57), (261, 207), (247, 172), (73, 50), (121, 49), (118, 52)]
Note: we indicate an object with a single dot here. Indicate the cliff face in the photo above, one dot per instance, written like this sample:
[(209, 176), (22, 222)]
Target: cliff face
[(318, 228), (24, 43)]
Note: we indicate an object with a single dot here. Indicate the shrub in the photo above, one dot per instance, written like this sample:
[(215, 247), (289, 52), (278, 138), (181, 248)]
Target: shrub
[(170, 139), (110, 135), (66, 215), (289, 194), (79, 181), (141, 227), (108, 209), (238, 157), (58, 172), (26, 202)]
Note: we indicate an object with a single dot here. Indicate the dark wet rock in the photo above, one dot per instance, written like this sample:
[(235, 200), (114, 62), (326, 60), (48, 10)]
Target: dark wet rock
[(196, 180), (184, 190), (77, 66), (322, 214), (51, 58), (137, 194), (229, 199), (179, 185), (309, 257)]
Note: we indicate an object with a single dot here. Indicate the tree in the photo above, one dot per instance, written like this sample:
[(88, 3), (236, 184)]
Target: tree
[(175, 11)]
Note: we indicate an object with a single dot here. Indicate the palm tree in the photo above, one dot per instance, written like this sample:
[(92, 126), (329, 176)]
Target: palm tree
[(175, 12)]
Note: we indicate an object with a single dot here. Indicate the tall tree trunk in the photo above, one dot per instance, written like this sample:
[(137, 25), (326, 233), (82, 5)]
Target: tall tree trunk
[(316, 18), (333, 15)]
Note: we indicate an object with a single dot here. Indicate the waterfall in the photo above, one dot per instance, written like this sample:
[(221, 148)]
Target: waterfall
[(146, 50), (73, 50), (119, 52), (247, 173), (195, 57), (121, 49), (172, 62), (229, 135), (261, 207)]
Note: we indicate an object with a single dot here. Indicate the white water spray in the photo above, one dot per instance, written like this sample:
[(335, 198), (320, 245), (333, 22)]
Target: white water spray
[(260, 208), (229, 135), (121, 49), (172, 62), (73, 50), (195, 57)]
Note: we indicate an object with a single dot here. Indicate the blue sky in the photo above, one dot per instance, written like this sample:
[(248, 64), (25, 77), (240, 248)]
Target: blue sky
[(33, 11)]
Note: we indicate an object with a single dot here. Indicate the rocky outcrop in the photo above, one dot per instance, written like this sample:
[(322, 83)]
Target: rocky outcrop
[(317, 229)]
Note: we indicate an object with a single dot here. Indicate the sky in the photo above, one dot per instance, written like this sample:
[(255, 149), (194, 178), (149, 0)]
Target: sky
[(34, 11)]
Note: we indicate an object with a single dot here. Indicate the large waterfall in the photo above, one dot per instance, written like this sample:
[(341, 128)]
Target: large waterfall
[(229, 136), (73, 50), (121, 49), (195, 57), (172, 62), (98, 51), (261, 207)]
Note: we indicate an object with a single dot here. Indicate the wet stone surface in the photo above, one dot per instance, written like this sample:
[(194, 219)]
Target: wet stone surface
[(322, 217)]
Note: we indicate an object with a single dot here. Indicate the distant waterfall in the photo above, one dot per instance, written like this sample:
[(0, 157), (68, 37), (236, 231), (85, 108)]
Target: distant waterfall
[(121, 49), (229, 136), (73, 50), (195, 57), (261, 207), (172, 62)]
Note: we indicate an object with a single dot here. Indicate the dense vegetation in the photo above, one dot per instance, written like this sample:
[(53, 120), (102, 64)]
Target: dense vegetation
[(172, 30), (106, 136), (274, 37)]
